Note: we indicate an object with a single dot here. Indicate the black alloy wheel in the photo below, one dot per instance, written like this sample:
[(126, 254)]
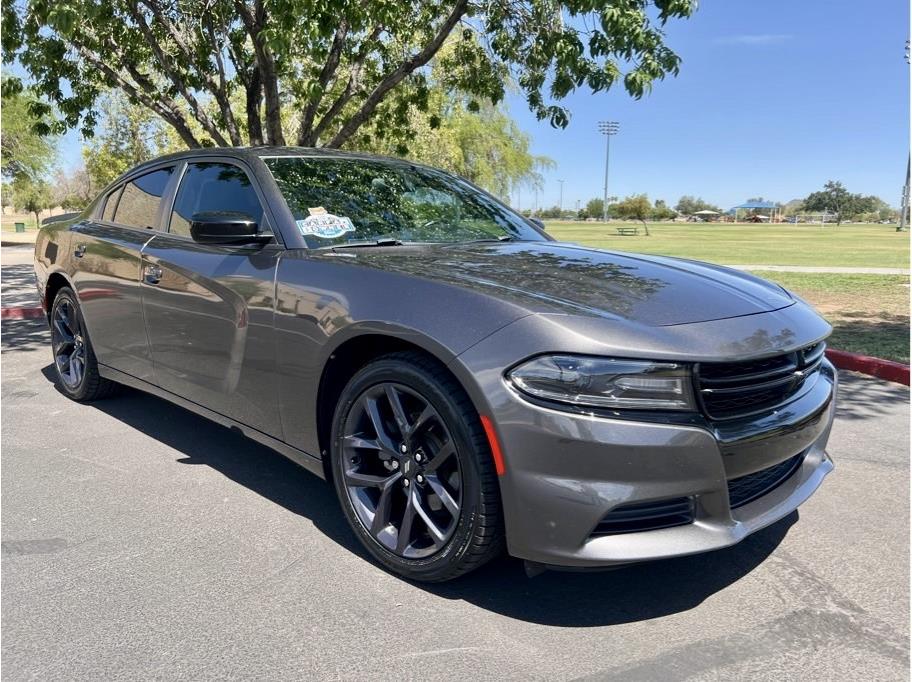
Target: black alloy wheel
[(401, 471), (74, 358), (413, 469)]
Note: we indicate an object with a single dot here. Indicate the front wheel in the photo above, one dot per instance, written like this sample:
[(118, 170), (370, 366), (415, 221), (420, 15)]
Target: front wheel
[(74, 359), (413, 470)]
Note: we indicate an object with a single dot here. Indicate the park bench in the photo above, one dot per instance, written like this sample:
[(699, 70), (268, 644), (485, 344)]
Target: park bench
[(628, 231)]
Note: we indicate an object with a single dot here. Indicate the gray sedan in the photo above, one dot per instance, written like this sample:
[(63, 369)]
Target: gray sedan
[(469, 385)]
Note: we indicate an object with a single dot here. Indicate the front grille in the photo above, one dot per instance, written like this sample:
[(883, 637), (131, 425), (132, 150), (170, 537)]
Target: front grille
[(633, 518), (728, 390), (749, 488)]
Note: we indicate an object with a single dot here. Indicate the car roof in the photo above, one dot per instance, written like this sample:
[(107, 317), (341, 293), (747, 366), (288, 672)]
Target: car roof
[(248, 153)]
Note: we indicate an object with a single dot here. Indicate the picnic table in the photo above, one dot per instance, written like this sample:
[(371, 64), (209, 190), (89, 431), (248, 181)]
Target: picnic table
[(628, 231)]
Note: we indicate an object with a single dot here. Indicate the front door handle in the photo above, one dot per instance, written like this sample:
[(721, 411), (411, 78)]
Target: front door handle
[(80, 250), (152, 274)]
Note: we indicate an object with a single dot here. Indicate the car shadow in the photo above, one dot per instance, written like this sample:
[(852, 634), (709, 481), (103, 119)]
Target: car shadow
[(862, 397), (569, 599)]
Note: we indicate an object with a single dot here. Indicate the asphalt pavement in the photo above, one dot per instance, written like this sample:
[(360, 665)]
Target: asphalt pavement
[(141, 541)]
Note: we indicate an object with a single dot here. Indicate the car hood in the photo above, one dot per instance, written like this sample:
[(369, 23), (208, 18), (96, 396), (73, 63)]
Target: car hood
[(554, 277)]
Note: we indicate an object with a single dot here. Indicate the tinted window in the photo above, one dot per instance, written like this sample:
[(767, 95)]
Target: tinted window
[(214, 187), (335, 201), (138, 205), (110, 205)]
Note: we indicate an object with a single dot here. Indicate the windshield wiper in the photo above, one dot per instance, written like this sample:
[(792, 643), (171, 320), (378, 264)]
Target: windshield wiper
[(360, 243), (504, 238)]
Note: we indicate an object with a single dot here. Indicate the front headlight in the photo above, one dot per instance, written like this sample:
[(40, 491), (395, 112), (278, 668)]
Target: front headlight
[(606, 382)]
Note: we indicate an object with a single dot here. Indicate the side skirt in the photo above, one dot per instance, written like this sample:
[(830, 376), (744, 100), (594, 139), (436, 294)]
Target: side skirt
[(313, 464)]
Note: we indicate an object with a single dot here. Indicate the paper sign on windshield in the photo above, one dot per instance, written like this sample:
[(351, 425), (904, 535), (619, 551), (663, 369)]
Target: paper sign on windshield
[(325, 225)]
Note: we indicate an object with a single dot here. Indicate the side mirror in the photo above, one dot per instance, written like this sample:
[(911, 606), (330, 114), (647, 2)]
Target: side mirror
[(538, 222), (225, 227)]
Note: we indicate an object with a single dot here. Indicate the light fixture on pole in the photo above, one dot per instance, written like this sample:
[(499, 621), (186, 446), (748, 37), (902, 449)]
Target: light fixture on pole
[(607, 128)]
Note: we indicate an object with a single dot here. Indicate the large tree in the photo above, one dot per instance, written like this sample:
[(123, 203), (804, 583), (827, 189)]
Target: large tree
[(836, 198), (688, 205), (27, 145), (313, 73), (635, 207)]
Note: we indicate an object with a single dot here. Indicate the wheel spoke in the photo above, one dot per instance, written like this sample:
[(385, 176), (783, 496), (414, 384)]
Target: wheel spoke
[(65, 335), (372, 407), (382, 512), (392, 395), (363, 443), (437, 536), (426, 414), (359, 480), (75, 367), (63, 362), (440, 457), (405, 528), (444, 495)]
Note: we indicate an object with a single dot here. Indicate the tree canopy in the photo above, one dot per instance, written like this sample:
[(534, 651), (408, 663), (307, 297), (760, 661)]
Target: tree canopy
[(689, 205), (26, 146), (834, 197), (230, 72)]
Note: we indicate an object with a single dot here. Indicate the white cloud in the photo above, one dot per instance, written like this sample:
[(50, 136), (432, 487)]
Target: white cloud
[(754, 39)]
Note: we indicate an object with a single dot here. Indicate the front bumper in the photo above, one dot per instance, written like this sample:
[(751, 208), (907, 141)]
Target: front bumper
[(565, 472)]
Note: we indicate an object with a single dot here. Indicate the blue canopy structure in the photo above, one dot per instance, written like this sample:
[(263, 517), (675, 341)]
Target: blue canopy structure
[(752, 205)]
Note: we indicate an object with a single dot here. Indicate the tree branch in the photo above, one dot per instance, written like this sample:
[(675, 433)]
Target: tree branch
[(171, 114), (398, 75), (168, 67), (326, 73), (253, 22)]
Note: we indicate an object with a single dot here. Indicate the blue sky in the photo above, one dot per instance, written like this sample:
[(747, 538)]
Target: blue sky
[(774, 98)]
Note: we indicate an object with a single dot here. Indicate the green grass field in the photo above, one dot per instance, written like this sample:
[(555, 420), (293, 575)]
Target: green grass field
[(847, 245)]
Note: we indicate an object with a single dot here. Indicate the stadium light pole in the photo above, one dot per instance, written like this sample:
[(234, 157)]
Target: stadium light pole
[(904, 202), (607, 128), (560, 202)]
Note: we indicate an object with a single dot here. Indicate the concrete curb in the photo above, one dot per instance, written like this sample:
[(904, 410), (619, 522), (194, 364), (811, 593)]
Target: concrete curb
[(21, 313), (875, 367)]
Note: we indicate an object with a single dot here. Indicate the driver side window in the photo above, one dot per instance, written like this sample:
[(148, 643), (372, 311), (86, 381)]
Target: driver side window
[(212, 186)]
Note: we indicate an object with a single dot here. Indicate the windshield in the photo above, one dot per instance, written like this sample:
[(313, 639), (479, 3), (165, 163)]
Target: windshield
[(344, 201)]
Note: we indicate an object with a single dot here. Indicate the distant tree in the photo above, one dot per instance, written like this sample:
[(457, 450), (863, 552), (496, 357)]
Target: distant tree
[(129, 134), (595, 208), (661, 211), (32, 195), (636, 207), (688, 205), (551, 213), (23, 149), (5, 196), (72, 191), (835, 197)]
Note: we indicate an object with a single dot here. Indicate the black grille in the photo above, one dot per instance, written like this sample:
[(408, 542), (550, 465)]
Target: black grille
[(749, 488), (632, 518), (729, 390)]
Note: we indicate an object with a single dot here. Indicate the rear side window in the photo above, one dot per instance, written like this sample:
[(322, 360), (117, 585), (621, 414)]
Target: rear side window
[(209, 187), (138, 205), (110, 205)]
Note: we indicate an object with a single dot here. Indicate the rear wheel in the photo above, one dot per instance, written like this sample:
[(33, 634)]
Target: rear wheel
[(74, 359), (413, 470)]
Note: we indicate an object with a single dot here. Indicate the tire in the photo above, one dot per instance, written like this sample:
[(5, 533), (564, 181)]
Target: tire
[(74, 360), (437, 471)]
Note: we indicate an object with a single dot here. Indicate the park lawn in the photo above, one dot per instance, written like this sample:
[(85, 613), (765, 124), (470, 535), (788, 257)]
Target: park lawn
[(869, 313), (879, 246)]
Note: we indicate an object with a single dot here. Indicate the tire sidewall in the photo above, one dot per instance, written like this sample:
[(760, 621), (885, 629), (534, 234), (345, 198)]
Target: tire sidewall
[(401, 372)]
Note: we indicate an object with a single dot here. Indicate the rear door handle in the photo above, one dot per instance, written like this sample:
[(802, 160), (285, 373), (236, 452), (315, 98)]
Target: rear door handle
[(80, 251), (152, 274)]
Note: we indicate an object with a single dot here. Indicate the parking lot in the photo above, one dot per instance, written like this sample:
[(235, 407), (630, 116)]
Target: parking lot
[(141, 541)]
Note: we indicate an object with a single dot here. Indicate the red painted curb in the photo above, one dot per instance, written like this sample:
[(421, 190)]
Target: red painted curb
[(875, 367), (21, 313)]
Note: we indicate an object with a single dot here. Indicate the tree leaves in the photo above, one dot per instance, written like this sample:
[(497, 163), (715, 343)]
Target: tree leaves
[(320, 70)]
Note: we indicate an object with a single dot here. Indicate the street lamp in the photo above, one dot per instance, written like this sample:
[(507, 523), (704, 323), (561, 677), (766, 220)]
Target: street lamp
[(607, 128)]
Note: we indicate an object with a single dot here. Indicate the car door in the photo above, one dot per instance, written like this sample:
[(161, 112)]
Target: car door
[(107, 266), (209, 308)]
